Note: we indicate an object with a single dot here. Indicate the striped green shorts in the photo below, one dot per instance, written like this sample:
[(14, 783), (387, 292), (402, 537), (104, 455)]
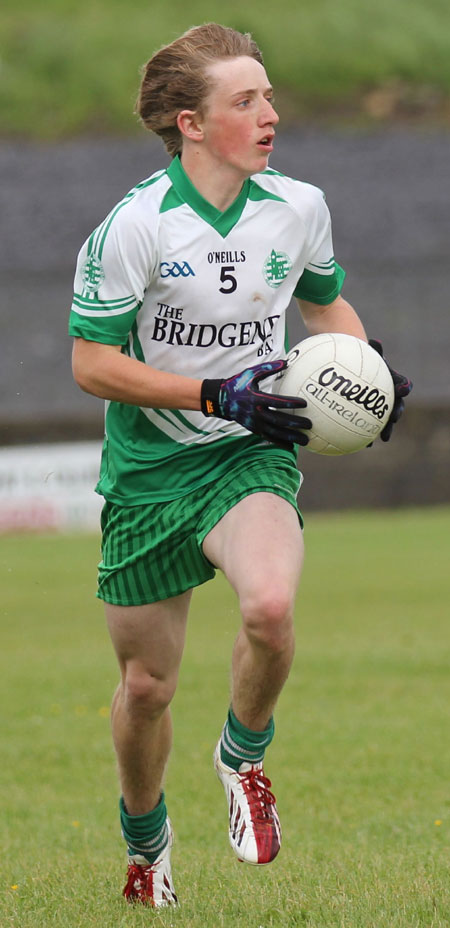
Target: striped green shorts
[(154, 551)]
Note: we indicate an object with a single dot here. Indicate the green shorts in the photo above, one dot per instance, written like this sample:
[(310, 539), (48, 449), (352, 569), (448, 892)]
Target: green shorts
[(154, 551)]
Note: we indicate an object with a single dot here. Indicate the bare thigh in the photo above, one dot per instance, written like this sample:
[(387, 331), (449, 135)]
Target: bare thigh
[(258, 544), (150, 637)]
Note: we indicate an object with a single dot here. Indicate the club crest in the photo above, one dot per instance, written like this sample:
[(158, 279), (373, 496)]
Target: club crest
[(276, 267), (92, 274)]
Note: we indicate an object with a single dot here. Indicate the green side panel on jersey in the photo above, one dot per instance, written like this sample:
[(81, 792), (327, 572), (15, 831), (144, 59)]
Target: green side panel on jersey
[(320, 288), (139, 354), (166, 418), (130, 475), (183, 422), (137, 347), (222, 222)]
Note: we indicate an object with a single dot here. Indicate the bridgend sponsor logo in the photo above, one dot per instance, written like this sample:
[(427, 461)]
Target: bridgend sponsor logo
[(173, 331)]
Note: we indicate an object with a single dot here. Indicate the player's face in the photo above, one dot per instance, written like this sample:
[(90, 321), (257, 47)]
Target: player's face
[(239, 119)]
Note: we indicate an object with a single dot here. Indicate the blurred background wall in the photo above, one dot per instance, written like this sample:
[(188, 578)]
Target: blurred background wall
[(387, 181)]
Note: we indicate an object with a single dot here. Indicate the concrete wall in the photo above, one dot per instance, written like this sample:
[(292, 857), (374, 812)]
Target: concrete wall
[(389, 198)]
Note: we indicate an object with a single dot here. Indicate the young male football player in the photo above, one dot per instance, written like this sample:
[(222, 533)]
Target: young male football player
[(179, 319)]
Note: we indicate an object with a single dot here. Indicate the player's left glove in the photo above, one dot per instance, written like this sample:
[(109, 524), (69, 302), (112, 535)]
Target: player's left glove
[(240, 399), (402, 387)]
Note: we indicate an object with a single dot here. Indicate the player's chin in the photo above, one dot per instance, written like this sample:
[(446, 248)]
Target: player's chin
[(262, 156)]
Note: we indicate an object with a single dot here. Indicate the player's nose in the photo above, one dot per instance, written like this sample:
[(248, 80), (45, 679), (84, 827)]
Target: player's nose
[(268, 115)]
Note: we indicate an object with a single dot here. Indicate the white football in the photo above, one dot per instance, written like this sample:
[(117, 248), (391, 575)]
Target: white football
[(348, 389)]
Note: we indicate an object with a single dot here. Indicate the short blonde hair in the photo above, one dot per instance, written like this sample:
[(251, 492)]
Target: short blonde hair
[(175, 79)]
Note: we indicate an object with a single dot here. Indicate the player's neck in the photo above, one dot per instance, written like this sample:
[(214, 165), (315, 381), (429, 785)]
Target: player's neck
[(218, 183)]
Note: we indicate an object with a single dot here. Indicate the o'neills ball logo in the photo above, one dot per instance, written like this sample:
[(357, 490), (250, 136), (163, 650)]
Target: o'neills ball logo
[(370, 398)]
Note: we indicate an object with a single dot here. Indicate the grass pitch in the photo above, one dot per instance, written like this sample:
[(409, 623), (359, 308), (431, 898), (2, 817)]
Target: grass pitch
[(360, 762)]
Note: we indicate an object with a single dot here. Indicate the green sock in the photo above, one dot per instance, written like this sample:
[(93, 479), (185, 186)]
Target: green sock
[(146, 834), (239, 744)]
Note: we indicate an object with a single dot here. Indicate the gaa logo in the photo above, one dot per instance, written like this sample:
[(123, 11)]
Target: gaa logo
[(175, 269), (92, 274), (276, 268)]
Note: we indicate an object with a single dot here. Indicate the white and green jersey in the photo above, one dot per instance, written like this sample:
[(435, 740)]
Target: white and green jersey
[(195, 291)]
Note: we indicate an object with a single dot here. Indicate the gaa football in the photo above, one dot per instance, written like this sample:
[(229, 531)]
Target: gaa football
[(348, 389)]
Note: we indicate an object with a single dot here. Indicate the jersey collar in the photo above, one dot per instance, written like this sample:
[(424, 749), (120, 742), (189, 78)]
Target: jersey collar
[(223, 222)]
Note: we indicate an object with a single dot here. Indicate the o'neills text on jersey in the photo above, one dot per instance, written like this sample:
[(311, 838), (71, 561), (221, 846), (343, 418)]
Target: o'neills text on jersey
[(226, 257)]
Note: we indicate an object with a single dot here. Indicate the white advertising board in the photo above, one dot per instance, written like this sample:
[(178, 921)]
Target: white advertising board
[(50, 487)]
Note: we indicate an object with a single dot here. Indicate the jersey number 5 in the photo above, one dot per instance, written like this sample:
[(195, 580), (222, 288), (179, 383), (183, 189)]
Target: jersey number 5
[(228, 279)]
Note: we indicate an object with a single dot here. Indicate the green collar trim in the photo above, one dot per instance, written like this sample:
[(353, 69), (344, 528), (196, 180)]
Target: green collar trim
[(223, 222)]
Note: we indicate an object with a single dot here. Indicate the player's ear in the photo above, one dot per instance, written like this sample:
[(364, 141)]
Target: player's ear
[(190, 125)]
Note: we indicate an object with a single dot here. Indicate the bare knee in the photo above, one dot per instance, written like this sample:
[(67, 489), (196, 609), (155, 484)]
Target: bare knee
[(267, 619), (144, 693)]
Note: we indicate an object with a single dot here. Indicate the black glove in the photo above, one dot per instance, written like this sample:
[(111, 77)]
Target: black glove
[(239, 400), (402, 386)]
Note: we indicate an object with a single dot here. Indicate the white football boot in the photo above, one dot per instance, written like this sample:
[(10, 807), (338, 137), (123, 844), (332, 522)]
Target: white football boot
[(151, 884), (254, 829)]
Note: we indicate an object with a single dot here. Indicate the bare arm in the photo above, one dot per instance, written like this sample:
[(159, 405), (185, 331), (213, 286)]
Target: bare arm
[(338, 316), (103, 371), (107, 373)]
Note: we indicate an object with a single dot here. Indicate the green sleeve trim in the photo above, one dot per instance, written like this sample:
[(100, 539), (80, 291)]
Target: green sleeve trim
[(91, 307), (320, 288), (109, 331)]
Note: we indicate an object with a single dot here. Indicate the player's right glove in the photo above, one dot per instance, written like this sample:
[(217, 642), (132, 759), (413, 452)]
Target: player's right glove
[(402, 387), (239, 399)]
